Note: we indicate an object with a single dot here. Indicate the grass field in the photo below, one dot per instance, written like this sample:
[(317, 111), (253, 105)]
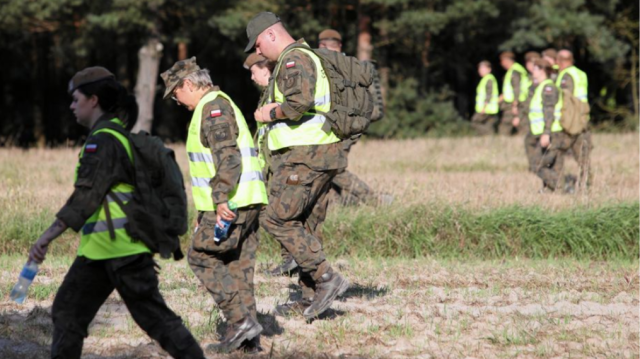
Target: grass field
[(470, 261)]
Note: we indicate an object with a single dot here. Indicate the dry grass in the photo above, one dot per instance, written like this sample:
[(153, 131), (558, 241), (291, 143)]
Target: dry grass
[(475, 172), (394, 309)]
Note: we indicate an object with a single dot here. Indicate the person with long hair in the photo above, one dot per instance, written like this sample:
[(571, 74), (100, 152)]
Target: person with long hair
[(107, 258)]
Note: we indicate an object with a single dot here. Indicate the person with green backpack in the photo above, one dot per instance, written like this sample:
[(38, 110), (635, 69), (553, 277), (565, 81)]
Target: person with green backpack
[(304, 143), (225, 174), (545, 111), (575, 82), (112, 254)]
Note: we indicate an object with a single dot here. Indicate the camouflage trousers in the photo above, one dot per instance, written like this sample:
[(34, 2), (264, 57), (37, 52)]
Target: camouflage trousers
[(87, 286), (226, 268), (533, 151), (506, 127), (295, 214), (483, 123), (347, 187), (581, 150), (552, 160)]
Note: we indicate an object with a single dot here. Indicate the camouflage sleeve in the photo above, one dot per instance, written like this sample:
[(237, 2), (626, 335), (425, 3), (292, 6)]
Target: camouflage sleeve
[(219, 132), (567, 82), (104, 163), (489, 90), (550, 96), (297, 81), (515, 82)]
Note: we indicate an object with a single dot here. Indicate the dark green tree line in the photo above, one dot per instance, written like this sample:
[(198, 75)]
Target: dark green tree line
[(426, 53)]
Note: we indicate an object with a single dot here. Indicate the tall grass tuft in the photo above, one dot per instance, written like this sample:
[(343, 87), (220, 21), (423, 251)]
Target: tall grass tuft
[(443, 231)]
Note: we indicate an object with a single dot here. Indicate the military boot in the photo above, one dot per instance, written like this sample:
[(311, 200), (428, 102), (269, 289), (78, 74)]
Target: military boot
[(286, 267), (252, 346), (328, 287), (238, 332), (570, 184), (294, 308)]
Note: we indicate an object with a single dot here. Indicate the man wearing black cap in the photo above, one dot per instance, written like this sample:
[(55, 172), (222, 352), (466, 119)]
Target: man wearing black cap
[(307, 153)]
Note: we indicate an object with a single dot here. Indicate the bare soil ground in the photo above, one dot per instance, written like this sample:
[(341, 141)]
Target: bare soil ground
[(394, 309)]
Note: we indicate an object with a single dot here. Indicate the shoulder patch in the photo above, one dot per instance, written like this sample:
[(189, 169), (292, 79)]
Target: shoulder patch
[(548, 88), (215, 113), (91, 148), (290, 64), (221, 132)]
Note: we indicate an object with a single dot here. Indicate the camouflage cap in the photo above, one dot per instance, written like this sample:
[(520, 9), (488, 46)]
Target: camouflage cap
[(89, 76), (330, 34), (177, 72), (253, 59), (257, 25)]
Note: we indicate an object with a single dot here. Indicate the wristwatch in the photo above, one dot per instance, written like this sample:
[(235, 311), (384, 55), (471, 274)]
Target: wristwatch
[(272, 114)]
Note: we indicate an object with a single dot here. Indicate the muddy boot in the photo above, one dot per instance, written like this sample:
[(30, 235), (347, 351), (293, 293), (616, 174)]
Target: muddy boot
[(570, 184), (328, 287), (252, 346), (285, 267), (294, 308), (237, 333)]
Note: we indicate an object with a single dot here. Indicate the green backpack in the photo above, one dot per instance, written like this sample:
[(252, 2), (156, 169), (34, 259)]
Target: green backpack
[(157, 214), (575, 114), (351, 101)]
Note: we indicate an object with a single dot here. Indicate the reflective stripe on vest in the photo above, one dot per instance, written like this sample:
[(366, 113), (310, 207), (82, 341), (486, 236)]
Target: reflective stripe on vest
[(507, 88), (95, 240), (307, 130), (580, 82), (481, 95), (250, 189), (536, 110)]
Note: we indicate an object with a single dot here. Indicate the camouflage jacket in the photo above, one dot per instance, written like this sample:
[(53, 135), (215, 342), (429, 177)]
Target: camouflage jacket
[(220, 134), (298, 84)]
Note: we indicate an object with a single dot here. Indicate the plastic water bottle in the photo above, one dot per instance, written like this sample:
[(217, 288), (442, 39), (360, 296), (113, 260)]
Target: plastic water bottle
[(221, 233), (19, 291)]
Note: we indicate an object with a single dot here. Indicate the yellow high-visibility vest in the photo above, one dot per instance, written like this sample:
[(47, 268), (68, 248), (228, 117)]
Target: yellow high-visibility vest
[(507, 88), (536, 110), (481, 95), (250, 189), (307, 130), (95, 240), (580, 82)]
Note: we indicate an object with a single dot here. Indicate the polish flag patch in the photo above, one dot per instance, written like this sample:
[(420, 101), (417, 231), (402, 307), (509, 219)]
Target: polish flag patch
[(216, 113), (290, 64), (91, 148)]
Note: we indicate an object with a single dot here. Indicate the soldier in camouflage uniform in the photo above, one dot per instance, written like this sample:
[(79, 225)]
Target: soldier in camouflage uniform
[(531, 142), (350, 188), (261, 69), (485, 118), (226, 268), (582, 146), (553, 145), (305, 157), (511, 93)]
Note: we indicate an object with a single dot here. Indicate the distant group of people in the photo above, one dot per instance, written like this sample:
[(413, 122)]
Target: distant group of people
[(531, 104), (278, 179)]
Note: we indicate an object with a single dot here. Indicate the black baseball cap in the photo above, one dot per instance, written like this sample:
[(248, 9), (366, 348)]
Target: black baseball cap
[(257, 25)]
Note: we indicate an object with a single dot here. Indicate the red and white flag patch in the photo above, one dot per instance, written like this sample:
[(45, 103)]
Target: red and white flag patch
[(216, 113), (91, 148), (290, 64)]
